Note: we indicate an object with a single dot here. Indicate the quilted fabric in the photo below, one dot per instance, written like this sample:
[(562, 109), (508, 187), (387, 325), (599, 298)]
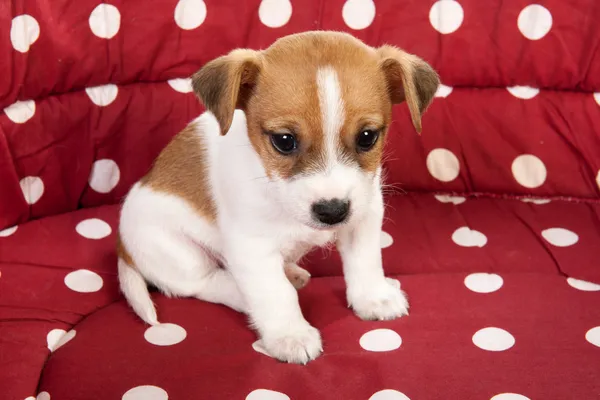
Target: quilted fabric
[(535, 326), (500, 265), (487, 132)]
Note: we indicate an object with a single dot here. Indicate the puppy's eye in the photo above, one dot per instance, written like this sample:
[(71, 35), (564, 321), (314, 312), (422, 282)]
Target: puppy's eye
[(366, 139), (285, 143)]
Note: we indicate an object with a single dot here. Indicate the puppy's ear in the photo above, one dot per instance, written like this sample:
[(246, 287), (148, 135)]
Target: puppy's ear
[(226, 83), (408, 78)]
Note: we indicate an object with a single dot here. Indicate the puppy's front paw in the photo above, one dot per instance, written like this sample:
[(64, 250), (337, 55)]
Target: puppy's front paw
[(297, 345), (298, 277), (379, 302)]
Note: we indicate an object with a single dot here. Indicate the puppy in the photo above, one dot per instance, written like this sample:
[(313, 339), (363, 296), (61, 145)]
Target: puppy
[(287, 157)]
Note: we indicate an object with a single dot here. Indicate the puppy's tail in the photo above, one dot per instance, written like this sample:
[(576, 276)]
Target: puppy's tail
[(136, 292)]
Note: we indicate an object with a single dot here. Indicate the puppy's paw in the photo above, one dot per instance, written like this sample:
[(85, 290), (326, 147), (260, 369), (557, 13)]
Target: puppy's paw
[(383, 301), (297, 345), (298, 277)]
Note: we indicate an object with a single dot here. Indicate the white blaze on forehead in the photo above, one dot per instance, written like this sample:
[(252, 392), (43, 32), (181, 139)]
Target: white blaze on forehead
[(332, 109)]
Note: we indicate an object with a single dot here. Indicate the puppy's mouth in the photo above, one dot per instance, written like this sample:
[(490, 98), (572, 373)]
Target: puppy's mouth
[(325, 227), (320, 226)]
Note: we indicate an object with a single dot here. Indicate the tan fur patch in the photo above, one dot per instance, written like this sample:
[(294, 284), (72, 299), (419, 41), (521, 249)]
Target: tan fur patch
[(363, 89), (226, 83), (277, 88), (122, 252), (181, 170)]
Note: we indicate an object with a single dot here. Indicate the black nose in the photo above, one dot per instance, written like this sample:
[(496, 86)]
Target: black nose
[(331, 212)]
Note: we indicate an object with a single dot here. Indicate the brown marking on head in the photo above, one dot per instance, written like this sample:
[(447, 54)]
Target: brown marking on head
[(181, 169), (277, 88), (226, 83)]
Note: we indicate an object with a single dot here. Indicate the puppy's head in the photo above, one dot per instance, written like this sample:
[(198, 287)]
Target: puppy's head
[(318, 107)]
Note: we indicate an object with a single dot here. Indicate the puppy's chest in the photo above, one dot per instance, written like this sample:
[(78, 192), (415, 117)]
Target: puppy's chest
[(293, 247)]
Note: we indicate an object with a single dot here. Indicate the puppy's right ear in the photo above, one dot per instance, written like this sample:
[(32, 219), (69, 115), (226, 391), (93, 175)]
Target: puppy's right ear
[(226, 83)]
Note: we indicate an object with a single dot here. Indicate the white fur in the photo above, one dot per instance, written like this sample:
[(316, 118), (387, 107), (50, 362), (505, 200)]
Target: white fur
[(135, 289), (369, 293), (332, 110), (262, 225)]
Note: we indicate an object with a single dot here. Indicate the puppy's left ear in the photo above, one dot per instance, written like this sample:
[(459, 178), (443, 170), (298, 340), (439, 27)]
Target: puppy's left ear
[(408, 78), (226, 83)]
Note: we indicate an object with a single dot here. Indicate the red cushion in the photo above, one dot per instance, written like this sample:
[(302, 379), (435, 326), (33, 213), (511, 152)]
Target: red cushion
[(59, 273), (71, 119), (547, 319), (87, 108)]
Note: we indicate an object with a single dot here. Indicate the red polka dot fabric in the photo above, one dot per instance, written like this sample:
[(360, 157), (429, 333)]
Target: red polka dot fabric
[(492, 221)]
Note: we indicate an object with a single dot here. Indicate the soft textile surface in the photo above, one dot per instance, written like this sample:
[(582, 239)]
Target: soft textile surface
[(503, 276), (130, 58), (58, 274), (438, 357)]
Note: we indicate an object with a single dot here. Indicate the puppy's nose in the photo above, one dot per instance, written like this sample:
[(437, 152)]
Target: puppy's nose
[(331, 212)]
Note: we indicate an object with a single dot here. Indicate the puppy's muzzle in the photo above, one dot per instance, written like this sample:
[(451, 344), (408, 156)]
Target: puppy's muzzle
[(331, 212)]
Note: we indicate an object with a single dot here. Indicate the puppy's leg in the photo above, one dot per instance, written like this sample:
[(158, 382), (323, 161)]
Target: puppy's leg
[(369, 292), (178, 267), (272, 301), (218, 286), (297, 276)]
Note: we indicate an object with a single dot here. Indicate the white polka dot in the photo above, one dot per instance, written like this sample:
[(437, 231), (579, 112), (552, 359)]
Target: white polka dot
[(484, 282), (560, 237), (265, 394), (443, 198), (597, 98), (358, 14), (523, 92), (275, 13), (593, 336), (105, 21), (529, 171), (181, 85), (598, 179), (58, 337), (386, 240), (83, 281), (93, 228), (24, 31), (21, 111), (32, 188), (190, 14), (446, 16), (536, 201), (145, 392), (104, 176), (583, 285), (493, 339), (41, 396), (534, 21), (380, 340), (165, 334), (102, 95), (469, 238), (8, 231), (443, 91), (389, 394), (509, 396), (443, 164)]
